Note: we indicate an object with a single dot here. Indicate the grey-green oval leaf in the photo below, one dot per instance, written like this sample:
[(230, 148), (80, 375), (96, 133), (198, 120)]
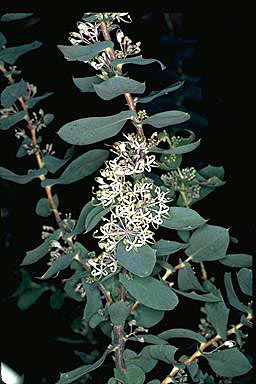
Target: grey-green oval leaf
[(178, 150), (168, 247), (244, 277), (180, 218), (118, 85), (70, 377), (93, 129), (21, 179), (181, 333), (84, 52), (150, 292), (85, 84), (8, 122), (228, 363), (165, 91), (10, 55), (81, 167), (43, 208), (163, 119), (237, 260), (207, 243), (140, 261), (34, 100), (14, 16), (12, 92), (138, 60)]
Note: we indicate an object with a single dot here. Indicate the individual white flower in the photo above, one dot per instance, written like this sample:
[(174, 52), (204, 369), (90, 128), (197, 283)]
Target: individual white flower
[(88, 33), (127, 48)]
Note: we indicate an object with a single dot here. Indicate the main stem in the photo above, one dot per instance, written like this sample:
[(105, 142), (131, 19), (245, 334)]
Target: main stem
[(127, 96), (198, 353), (39, 159), (119, 341)]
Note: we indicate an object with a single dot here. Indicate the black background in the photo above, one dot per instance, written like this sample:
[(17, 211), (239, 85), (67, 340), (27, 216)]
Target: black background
[(221, 60)]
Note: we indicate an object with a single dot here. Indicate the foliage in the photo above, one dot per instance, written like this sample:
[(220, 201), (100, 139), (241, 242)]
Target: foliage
[(129, 280)]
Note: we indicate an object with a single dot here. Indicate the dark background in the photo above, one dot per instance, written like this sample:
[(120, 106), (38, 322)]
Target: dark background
[(220, 60)]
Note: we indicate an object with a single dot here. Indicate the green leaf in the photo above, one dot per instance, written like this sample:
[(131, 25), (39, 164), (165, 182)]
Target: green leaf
[(8, 122), (228, 363), (43, 208), (86, 84), (237, 260), (36, 254), (30, 297), (132, 375), (62, 262), (70, 286), (84, 52), (138, 60), (147, 317), (118, 312), (181, 333), (57, 299), (143, 360), (93, 129), (184, 235), (165, 91), (34, 100), (218, 314), (154, 382), (94, 216), (180, 218), (231, 294), (150, 292), (12, 92), (10, 55), (150, 339), (80, 224), (208, 243), (118, 85), (93, 300), (210, 171), (48, 118), (208, 297), (21, 179), (179, 150), (244, 277), (81, 167), (163, 353), (140, 261), (167, 247), (163, 119), (53, 164), (3, 40), (14, 16), (187, 279), (70, 377)]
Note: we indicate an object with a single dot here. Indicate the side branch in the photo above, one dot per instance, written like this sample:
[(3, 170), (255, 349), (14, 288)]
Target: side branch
[(198, 353), (39, 159)]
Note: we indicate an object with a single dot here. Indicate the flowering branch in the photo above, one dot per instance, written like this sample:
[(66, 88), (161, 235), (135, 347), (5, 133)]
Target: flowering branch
[(203, 346), (128, 96)]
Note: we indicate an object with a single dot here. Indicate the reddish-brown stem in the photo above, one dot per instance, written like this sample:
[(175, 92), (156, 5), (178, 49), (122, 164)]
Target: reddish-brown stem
[(128, 96), (119, 341), (37, 153), (198, 353)]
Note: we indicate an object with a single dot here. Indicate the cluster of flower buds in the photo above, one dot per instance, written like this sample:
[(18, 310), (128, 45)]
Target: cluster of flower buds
[(183, 180)]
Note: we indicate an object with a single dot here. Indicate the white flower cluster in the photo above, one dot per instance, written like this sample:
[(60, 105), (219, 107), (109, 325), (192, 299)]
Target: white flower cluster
[(136, 203), (88, 33)]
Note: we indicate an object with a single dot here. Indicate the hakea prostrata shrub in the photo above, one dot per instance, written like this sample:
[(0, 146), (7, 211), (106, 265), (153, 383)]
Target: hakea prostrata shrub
[(131, 278)]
